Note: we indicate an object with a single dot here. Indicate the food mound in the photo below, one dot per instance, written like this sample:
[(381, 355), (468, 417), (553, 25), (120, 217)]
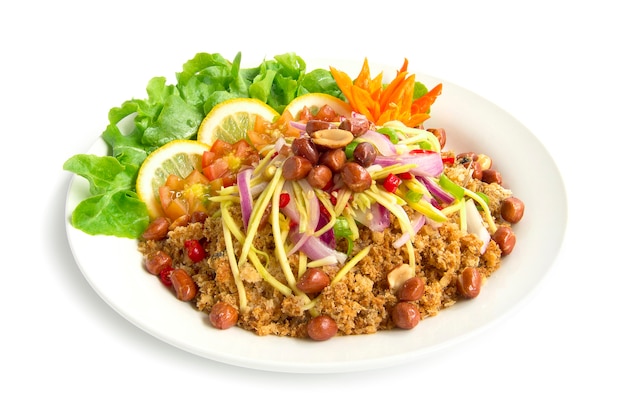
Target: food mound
[(323, 223)]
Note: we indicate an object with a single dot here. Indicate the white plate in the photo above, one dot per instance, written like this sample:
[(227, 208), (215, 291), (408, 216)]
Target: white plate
[(113, 266)]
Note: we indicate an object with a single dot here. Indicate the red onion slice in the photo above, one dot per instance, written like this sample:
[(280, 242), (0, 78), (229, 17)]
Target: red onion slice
[(245, 195)]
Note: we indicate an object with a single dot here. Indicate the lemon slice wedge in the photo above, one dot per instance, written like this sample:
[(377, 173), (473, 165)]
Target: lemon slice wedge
[(231, 120), (178, 157)]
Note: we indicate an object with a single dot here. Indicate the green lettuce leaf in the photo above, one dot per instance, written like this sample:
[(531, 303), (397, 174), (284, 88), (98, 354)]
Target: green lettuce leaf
[(113, 208)]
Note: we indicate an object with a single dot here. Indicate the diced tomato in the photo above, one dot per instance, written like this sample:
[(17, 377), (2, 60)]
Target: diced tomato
[(165, 196), (174, 182), (195, 177), (305, 114), (225, 160), (216, 184), (221, 148), (259, 140), (216, 170), (207, 158), (177, 208), (183, 196), (261, 125), (245, 152), (284, 125), (195, 204), (229, 179)]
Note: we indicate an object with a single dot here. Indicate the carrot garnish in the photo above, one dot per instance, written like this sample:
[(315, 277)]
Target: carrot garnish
[(382, 103)]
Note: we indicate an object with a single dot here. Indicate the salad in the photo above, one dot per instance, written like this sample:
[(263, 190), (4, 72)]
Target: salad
[(299, 203)]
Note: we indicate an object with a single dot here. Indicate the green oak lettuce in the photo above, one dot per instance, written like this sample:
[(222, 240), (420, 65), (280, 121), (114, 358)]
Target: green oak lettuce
[(113, 207), (175, 111)]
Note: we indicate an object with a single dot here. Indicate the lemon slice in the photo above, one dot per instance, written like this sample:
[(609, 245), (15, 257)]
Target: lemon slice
[(314, 101), (231, 120), (178, 157)]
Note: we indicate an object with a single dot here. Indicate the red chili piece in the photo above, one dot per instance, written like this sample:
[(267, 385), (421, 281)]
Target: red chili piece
[(392, 182), (194, 250), (447, 160), (283, 200)]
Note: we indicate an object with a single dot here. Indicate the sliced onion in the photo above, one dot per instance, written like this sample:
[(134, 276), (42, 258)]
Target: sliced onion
[(416, 225), (298, 125), (436, 190), (280, 142), (315, 249), (427, 164), (258, 188), (475, 224), (245, 195), (381, 142), (376, 218), (327, 237), (313, 214)]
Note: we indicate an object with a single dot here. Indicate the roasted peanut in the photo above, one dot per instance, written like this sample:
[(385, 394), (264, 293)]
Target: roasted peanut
[(364, 154), (411, 290), (315, 125), (399, 275), (183, 285), (326, 113), (303, 146), (469, 282), (356, 177), (477, 171), (223, 315), (334, 159), (357, 126), (180, 221), (484, 161), (314, 280), (512, 209), (157, 229), (332, 138), (505, 238), (198, 217), (405, 315), (440, 133), (296, 167), (319, 176), (321, 328), (156, 261), (491, 175)]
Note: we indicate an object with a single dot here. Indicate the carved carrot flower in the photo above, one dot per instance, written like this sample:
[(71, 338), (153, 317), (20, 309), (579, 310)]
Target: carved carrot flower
[(381, 102)]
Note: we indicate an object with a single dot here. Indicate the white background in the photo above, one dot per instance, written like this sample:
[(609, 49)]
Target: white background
[(556, 66)]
